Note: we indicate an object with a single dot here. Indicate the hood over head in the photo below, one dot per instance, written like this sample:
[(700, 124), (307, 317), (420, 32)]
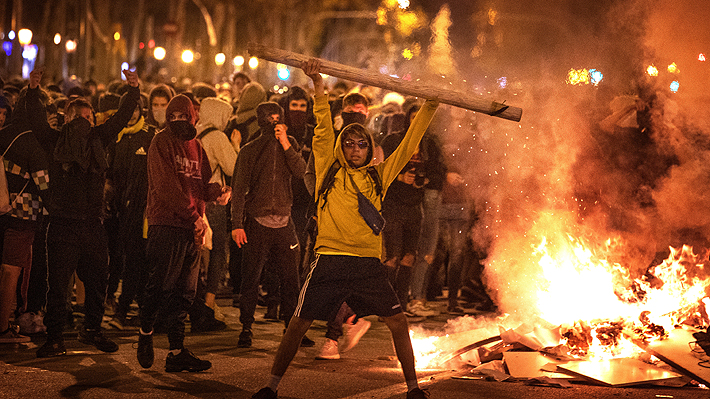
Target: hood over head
[(357, 130), (264, 112), (184, 130), (252, 95), (214, 113)]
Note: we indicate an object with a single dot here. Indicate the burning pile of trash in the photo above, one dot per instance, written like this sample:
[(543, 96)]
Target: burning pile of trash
[(644, 330)]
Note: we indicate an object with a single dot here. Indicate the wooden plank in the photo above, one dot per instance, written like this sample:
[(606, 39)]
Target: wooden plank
[(675, 350), (451, 97)]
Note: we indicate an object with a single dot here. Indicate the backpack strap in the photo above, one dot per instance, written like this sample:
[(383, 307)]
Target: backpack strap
[(13, 142), (206, 132), (328, 181)]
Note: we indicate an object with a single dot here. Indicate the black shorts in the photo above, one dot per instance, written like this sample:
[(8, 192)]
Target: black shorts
[(17, 242), (359, 281)]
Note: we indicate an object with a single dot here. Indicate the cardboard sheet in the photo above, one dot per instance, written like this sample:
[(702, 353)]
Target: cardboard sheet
[(676, 352), (618, 372), (530, 365)]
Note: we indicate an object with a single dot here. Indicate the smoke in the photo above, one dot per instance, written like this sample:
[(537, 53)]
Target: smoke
[(561, 172)]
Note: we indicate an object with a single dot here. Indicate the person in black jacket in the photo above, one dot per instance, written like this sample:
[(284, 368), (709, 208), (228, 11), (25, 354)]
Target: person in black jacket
[(261, 213), (76, 238), (25, 168)]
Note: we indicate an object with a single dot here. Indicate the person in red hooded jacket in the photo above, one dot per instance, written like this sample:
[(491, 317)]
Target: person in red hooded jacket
[(178, 188)]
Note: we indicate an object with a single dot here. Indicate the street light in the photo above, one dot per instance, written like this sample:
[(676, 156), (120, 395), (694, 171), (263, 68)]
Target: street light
[(253, 62), (57, 38), (24, 36), (188, 56), (238, 61), (219, 59), (159, 53), (70, 46)]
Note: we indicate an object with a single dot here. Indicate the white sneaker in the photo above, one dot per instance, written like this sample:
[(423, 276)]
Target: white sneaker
[(419, 308), (353, 333), (329, 351)]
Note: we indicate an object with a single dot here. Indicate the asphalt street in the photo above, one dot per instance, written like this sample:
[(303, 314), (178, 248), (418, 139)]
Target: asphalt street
[(369, 370)]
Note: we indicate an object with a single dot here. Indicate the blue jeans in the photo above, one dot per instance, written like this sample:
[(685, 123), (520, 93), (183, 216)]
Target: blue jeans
[(428, 237)]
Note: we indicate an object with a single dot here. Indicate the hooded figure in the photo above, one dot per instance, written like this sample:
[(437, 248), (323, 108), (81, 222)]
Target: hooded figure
[(183, 129), (214, 115), (252, 95)]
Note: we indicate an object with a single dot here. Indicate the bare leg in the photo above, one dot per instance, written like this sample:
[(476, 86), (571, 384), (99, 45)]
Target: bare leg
[(290, 343), (402, 344), (8, 286)]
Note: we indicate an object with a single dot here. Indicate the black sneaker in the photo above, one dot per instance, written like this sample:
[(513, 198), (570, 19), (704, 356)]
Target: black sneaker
[(307, 342), (145, 352), (417, 393), (52, 348), (97, 339), (245, 339), (185, 361), (272, 313), (265, 393), (207, 324)]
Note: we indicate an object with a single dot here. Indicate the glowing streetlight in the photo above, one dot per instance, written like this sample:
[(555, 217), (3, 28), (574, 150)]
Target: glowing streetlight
[(159, 53), (57, 38), (24, 36), (253, 62), (187, 56), (238, 61), (219, 59), (117, 36), (652, 70), (70, 46)]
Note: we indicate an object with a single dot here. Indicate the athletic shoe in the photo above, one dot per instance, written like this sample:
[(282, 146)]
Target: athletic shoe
[(265, 393), (98, 339), (417, 393), (245, 339), (52, 348), (185, 361), (329, 351), (31, 323), (419, 308), (455, 310), (145, 353), (272, 313), (307, 342), (353, 333), (10, 336), (207, 324)]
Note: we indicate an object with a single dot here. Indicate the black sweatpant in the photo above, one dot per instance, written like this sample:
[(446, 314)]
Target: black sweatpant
[(276, 248), (174, 262), (81, 246)]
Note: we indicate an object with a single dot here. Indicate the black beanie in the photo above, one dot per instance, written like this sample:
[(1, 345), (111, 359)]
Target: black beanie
[(264, 112)]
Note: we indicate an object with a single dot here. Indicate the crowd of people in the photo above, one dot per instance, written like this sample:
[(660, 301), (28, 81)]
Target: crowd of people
[(176, 194)]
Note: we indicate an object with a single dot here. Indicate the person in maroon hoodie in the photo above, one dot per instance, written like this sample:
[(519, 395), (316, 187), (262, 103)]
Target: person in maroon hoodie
[(178, 187)]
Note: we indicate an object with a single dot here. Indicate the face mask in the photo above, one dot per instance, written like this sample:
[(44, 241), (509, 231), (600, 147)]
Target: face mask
[(183, 130), (353, 117), (298, 118), (159, 116)]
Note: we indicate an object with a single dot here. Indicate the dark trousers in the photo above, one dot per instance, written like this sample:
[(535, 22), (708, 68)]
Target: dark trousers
[(277, 248), (37, 288), (135, 268), (81, 246), (174, 262)]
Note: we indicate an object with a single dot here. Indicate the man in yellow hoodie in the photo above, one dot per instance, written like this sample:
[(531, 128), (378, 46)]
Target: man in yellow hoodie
[(348, 252)]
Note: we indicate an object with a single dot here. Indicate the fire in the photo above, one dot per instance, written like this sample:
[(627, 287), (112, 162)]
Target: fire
[(601, 309)]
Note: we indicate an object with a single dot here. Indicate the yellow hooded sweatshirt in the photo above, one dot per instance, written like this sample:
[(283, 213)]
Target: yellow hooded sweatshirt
[(341, 228)]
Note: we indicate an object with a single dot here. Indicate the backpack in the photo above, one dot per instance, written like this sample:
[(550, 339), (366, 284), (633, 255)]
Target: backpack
[(5, 204)]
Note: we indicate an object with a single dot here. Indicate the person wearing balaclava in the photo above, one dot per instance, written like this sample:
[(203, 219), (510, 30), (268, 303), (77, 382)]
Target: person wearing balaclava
[(76, 238), (261, 214), (178, 187)]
